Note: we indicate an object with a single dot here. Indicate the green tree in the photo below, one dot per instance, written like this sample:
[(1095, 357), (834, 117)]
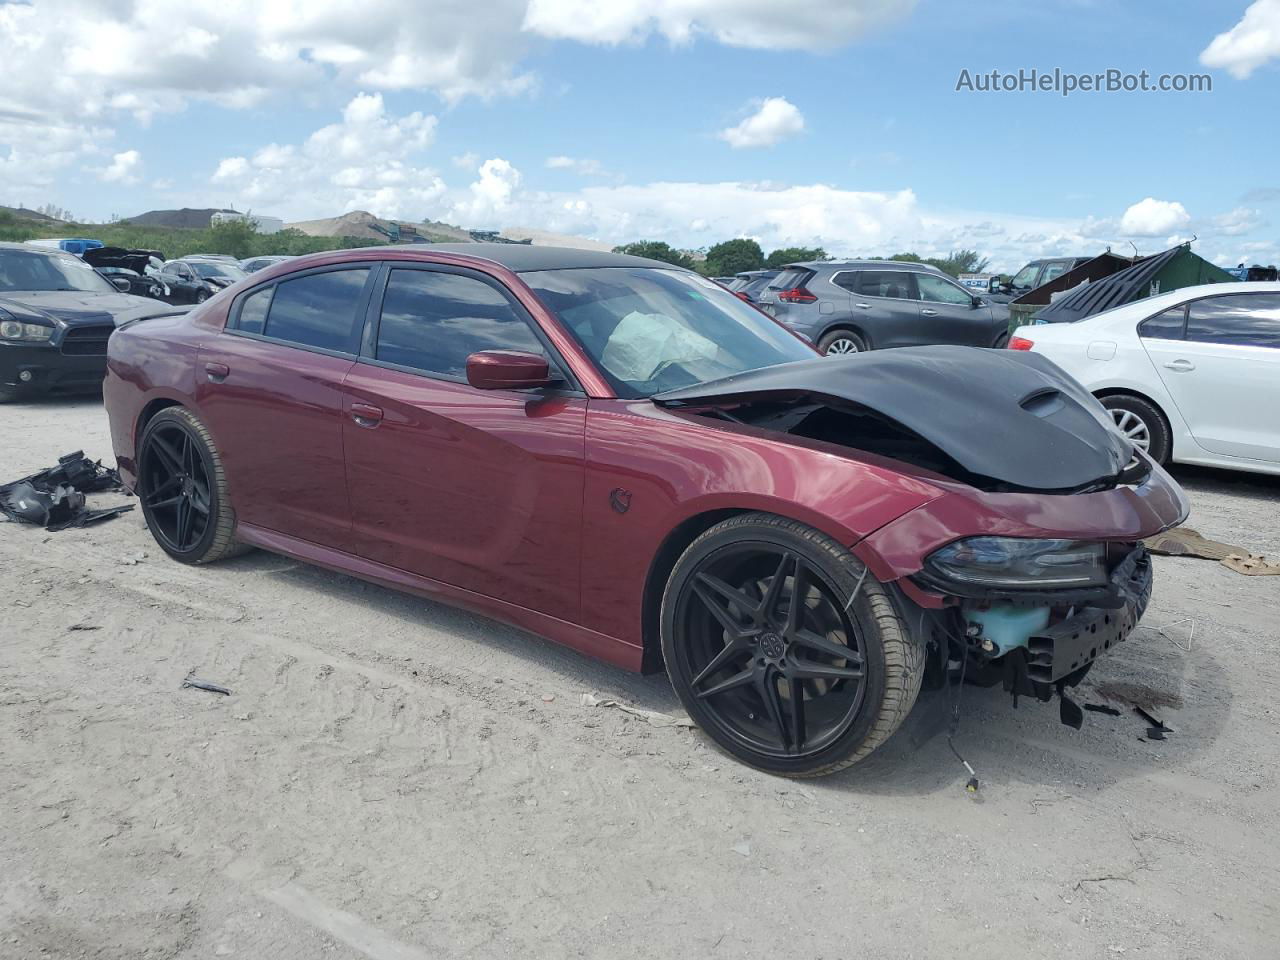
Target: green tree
[(962, 261), (656, 250), (780, 258), (234, 237), (908, 258), (734, 256)]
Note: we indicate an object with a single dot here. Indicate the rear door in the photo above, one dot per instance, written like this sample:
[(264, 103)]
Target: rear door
[(481, 489), (1224, 375), (948, 314), (269, 387)]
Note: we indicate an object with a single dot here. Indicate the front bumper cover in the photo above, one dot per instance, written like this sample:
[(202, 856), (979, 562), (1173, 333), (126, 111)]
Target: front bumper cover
[(48, 369), (1065, 648)]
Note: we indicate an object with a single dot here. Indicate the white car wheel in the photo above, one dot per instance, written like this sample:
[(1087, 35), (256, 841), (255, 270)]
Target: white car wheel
[(1133, 427)]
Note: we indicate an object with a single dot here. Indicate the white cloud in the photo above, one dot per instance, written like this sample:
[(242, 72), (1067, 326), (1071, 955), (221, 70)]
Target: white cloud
[(775, 119), (1237, 222), (365, 161), (583, 165), (759, 24), (1250, 43), (466, 161), (1153, 218), (124, 168), (490, 199)]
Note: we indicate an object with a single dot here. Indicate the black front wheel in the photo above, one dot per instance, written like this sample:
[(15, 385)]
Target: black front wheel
[(784, 649), (183, 490)]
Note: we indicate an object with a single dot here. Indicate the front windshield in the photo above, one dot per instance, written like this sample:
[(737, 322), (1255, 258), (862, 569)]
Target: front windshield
[(208, 268), (650, 330), (1026, 276), (20, 270)]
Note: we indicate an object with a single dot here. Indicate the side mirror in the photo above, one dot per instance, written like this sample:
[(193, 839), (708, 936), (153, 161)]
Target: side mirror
[(507, 370), (976, 302), (120, 283)]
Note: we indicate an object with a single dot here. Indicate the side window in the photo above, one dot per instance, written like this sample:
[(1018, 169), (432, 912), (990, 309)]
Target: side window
[(936, 290), (1164, 326), (895, 284), (253, 311), (318, 310), (1243, 319), (434, 321), (1054, 269)]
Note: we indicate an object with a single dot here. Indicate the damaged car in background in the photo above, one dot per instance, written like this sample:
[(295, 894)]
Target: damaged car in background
[(56, 315), (625, 458)]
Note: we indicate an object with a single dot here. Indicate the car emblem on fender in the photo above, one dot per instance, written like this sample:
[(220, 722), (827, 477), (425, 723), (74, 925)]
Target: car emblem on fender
[(620, 500)]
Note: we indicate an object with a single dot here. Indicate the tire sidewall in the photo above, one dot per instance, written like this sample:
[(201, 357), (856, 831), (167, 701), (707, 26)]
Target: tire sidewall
[(203, 545), (844, 577), (832, 336), (1161, 445)]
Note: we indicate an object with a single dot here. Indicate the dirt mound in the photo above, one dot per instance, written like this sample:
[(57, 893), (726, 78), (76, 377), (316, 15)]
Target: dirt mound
[(186, 218), (362, 224)]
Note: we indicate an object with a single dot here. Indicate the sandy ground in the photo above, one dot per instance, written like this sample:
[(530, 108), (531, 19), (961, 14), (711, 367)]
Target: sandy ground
[(392, 779)]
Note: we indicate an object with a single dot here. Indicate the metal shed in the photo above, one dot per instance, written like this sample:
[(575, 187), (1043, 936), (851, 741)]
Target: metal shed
[(1173, 269)]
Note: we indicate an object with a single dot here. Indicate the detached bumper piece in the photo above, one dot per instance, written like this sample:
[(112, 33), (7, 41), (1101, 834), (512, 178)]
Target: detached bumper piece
[(55, 498), (1064, 648)]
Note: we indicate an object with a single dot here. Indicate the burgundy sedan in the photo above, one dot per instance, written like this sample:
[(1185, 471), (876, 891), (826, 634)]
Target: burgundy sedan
[(622, 456)]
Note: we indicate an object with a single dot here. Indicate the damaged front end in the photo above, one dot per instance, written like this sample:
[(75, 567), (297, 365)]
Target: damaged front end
[(1028, 565), (1038, 635)]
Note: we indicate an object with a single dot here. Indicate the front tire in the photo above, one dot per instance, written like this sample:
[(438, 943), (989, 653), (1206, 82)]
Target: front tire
[(1142, 423), (801, 688), (183, 489)]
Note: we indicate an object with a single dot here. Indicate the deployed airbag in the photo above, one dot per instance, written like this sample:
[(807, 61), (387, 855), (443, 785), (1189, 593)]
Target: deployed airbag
[(1011, 416)]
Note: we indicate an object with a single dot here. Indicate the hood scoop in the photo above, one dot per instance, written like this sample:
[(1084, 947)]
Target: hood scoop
[(998, 419)]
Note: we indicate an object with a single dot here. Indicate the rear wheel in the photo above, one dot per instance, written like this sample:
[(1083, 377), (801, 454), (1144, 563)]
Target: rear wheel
[(784, 649), (839, 342), (183, 490), (1142, 423), (202, 296)]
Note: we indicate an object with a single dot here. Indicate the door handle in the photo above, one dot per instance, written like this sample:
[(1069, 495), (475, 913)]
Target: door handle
[(863, 306), (366, 415), (217, 372), (1182, 366), (926, 312)]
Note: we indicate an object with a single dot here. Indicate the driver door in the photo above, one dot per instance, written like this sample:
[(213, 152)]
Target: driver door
[(948, 314), (180, 281), (481, 489)]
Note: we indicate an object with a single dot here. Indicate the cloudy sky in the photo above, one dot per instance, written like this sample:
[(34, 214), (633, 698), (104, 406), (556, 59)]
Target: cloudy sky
[(834, 122)]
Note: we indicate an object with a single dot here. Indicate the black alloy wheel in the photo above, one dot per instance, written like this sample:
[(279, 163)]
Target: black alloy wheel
[(779, 654), (182, 489)]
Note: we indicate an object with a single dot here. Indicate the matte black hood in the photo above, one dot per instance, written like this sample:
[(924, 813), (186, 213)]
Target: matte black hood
[(1008, 415)]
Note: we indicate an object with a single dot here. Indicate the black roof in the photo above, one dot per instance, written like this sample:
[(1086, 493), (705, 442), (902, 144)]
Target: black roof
[(1120, 288), (521, 257)]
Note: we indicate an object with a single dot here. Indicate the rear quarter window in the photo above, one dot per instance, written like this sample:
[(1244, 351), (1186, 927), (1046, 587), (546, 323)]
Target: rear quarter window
[(317, 310)]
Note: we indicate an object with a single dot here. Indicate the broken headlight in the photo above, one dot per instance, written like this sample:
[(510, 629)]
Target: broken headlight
[(1010, 563), (15, 330)]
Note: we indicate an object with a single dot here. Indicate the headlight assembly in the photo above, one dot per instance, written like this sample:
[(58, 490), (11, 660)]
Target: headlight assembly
[(1010, 563), (15, 330)]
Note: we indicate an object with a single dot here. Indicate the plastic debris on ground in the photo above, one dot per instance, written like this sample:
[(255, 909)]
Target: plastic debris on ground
[(55, 498), (649, 716)]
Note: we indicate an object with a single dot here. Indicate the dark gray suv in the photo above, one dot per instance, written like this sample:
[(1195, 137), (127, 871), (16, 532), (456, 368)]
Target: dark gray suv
[(852, 305)]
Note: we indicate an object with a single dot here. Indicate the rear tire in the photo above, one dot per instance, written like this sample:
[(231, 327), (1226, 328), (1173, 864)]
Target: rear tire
[(839, 342), (1143, 423), (741, 656), (183, 489)]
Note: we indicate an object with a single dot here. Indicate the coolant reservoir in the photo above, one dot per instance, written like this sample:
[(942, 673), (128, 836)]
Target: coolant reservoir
[(1008, 626)]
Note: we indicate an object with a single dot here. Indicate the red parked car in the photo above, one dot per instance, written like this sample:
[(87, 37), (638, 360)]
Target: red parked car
[(622, 456)]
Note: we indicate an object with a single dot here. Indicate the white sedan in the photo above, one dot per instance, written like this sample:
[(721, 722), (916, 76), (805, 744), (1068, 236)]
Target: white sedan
[(1191, 376)]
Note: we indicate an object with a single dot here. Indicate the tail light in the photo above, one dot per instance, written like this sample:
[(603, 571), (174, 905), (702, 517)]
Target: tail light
[(741, 296), (1020, 343), (796, 295)]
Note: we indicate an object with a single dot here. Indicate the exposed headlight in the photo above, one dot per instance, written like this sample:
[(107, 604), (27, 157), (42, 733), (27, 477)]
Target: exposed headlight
[(1016, 564), (14, 330)]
